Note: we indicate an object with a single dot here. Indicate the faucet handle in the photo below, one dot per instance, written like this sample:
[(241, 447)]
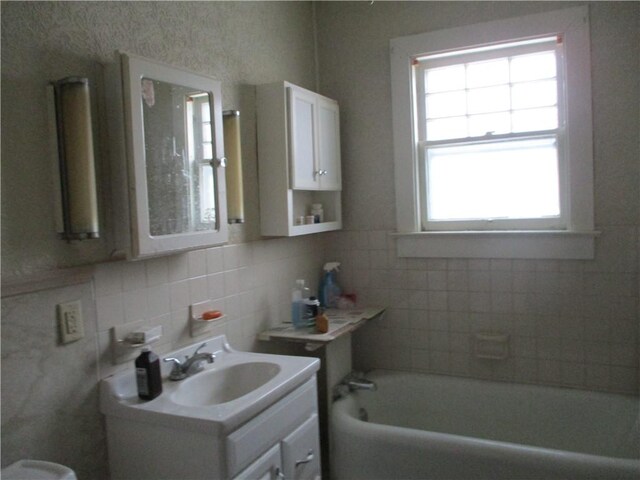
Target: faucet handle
[(198, 349), (176, 371)]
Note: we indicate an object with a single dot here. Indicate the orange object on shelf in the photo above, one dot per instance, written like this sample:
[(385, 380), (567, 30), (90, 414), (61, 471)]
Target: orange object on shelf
[(211, 315), (322, 323)]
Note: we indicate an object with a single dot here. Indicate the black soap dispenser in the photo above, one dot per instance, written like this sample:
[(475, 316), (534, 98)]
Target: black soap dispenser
[(148, 375)]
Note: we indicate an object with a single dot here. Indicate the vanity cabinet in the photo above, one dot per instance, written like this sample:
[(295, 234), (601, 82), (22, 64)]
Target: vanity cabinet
[(281, 442), (166, 142), (296, 457), (299, 159)]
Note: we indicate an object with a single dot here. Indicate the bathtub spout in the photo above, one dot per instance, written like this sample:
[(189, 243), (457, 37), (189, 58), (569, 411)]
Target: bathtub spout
[(361, 385), (352, 382)]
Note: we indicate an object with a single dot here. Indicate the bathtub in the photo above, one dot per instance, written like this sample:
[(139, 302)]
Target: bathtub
[(437, 427)]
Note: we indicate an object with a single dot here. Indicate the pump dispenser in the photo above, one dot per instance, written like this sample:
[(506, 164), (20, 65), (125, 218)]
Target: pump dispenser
[(329, 289)]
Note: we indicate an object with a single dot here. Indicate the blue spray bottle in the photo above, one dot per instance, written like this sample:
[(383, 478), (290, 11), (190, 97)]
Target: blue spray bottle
[(329, 289)]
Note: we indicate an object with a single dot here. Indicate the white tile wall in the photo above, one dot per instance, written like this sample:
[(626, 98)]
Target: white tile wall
[(572, 323), (249, 282)]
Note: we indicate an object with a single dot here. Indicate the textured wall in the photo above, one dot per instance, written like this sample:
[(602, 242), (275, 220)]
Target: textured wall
[(571, 323), (49, 391), (239, 43)]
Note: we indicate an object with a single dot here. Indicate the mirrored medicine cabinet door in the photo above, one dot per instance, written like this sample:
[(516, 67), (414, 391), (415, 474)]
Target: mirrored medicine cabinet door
[(176, 158)]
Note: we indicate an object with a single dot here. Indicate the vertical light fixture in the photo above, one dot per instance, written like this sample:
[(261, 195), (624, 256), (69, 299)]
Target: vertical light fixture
[(78, 204), (233, 176)]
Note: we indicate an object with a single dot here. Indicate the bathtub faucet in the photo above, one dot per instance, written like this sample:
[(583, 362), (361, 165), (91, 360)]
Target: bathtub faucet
[(362, 384), (352, 382)]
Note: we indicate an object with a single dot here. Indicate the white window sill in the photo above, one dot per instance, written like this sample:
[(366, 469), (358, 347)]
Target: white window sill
[(546, 244)]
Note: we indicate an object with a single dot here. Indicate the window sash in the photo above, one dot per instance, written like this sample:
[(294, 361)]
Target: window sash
[(424, 63), (549, 222)]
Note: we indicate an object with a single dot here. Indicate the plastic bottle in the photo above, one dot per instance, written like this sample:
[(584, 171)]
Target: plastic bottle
[(148, 375), (322, 323), (298, 308), (312, 306), (317, 212), (329, 290)]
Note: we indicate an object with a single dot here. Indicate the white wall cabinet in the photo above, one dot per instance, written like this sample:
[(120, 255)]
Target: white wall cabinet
[(315, 140), (166, 134), (299, 159)]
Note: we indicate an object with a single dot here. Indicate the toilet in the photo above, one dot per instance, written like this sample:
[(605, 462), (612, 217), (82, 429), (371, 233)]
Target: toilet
[(37, 470)]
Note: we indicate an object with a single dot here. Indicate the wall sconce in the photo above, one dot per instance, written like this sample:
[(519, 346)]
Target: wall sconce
[(71, 132), (233, 153)]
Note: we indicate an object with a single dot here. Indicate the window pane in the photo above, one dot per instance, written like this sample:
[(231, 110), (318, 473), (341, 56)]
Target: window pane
[(491, 99), (534, 94), (206, 132), (533, 67), (535, 119), (207, 151), (447, 128), (494, 123), (516, 179), (444, 79), (207, 199), (484, 74), (206, 113), (446, 104)]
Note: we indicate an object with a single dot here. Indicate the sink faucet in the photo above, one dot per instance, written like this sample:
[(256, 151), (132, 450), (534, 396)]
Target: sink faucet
[(191, 364)]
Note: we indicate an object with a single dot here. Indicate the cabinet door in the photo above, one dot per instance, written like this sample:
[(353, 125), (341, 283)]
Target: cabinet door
[(267, 467), (301, 452), (303, 145), (174, 145), (329, 144)]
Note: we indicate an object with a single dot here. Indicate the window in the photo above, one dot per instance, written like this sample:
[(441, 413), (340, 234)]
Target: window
[(492, 138)]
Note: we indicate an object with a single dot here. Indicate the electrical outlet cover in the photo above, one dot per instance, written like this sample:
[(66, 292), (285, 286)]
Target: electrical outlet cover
[(70, 322)]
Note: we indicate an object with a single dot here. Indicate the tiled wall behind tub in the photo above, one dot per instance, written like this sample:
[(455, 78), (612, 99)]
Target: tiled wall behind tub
[(250, 282), (571, 323)]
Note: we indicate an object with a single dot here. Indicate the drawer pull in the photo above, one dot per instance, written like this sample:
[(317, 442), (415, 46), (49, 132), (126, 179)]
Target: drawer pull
[(279, 474), (310, 457)]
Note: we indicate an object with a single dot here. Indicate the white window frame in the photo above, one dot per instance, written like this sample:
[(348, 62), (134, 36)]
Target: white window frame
[(576, 239)]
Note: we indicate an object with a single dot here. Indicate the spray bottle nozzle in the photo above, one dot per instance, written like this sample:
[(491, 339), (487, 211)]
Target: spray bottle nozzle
[(331, 266)]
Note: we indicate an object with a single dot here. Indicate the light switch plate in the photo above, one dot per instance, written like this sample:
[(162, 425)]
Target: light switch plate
[(70, 322)]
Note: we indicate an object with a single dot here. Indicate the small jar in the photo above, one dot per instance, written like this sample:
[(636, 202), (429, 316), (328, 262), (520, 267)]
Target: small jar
[(317, 212), (309, 219)]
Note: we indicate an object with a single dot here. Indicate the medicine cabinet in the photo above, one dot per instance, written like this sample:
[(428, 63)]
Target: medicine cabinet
[(299, 159), (169, 182)]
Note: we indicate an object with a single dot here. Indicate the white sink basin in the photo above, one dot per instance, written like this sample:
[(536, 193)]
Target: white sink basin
[(227, 393), (224, 385)]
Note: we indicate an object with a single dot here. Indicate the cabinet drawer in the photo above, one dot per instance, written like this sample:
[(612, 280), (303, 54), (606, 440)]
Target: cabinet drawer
[(249, 441), (301, 452)]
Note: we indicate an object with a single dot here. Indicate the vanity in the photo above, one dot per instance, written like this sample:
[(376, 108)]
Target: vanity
[(245, 416)]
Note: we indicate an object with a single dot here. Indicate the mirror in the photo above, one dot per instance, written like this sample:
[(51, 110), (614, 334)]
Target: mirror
[(175, 154), (178, 146)]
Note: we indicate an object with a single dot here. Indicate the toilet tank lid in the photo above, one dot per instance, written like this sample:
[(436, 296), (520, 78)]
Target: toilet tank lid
[(37, 470)]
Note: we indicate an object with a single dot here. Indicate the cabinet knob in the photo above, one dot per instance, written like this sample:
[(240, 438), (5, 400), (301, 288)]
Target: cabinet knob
[(320, 173)]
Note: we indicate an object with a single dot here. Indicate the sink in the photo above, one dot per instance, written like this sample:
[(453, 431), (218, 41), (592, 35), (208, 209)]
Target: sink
[(224, 395), (224, 385)]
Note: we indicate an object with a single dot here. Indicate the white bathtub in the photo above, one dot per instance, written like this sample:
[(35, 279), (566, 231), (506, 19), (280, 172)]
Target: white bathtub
[(438, 427)]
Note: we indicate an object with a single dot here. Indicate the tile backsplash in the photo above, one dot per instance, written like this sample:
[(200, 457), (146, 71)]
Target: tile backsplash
[(249, 282), (570, 323)]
